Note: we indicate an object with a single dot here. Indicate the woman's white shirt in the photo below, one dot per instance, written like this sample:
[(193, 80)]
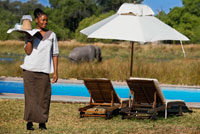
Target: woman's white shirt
[(41, 58)]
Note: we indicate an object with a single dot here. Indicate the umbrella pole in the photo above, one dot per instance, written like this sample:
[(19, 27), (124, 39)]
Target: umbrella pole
[(132, 50)]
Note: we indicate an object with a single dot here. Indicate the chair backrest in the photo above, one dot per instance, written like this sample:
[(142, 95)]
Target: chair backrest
[(101, 90), (144, 90)]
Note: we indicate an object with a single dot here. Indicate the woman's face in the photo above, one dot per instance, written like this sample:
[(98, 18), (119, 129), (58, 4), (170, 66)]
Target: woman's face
[(42, 21)]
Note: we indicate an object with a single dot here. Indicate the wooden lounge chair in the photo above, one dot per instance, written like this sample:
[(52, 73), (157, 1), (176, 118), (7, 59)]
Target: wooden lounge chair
[(148, 99), (104, 101)]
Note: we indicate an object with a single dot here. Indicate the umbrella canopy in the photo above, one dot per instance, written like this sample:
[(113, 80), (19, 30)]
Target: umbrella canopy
[(133, 28), (136, 9), (133, 22)]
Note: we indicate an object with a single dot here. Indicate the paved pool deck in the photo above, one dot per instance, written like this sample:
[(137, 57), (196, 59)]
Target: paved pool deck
[(76, 99)]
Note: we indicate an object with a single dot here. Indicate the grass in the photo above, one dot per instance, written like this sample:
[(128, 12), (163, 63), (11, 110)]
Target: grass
[(64, 119), (164, 62)]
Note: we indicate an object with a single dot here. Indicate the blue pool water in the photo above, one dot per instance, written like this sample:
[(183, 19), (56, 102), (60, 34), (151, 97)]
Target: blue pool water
[(7, 59), (188, 95)]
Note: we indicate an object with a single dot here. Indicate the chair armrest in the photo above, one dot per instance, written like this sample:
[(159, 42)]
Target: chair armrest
[(124, 103)]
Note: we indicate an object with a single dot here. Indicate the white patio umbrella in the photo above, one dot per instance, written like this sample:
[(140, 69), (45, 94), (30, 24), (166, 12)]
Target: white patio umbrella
[(135, 23)]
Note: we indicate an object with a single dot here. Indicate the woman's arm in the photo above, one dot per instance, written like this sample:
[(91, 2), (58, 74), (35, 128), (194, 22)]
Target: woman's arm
[(29, 46), (55, 65)]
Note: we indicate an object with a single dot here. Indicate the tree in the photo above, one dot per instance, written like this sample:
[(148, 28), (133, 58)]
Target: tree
[(87, 22), (68, 13), (185, 19), (4, 4), (11, 13), (192, 6), (174, 16), (54, 3), (6, 18)]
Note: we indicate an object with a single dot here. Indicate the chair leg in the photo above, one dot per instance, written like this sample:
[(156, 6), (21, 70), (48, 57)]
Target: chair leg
[(81, 114), (109, 115), (153, 116), (180, 111), (166, 111), (123, 116)]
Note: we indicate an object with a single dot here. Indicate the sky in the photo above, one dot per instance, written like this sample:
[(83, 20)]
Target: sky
[(159, 5), (156, 5)]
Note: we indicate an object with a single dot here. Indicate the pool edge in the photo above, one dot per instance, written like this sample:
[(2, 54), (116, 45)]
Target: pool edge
[(73, 99), (76, 81)]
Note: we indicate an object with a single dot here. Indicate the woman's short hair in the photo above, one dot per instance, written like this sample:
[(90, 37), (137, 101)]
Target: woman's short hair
[(38, 12)]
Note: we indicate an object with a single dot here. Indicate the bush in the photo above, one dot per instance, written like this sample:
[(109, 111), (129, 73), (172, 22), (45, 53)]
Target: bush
[(61, 33), (87, 22)]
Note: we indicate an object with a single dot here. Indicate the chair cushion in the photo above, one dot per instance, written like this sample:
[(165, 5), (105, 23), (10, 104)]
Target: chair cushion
[(96, 110)]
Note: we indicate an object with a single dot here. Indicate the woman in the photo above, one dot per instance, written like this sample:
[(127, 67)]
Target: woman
[(41, 59)]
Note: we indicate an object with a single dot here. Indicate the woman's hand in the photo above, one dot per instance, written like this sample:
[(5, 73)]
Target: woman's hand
[(29, 38), (29, 47), (55, 78)]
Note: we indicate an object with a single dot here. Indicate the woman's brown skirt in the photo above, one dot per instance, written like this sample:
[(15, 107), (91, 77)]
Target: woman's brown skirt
[(37, 91)]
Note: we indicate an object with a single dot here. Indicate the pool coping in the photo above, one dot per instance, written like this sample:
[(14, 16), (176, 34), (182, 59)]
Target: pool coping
[(73, 99), (76, 81), (78, 99)]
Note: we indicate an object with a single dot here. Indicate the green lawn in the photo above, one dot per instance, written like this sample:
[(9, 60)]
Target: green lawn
[(64, 119)]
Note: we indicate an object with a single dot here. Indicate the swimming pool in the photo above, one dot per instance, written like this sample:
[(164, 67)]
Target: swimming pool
[(188, 95), (6, 59)]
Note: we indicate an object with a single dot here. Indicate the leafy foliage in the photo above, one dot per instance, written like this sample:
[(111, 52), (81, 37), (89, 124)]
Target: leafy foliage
[(68, 17), (70, 12), (192, 6), (185, 19), (10, 14), (87, 22)]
